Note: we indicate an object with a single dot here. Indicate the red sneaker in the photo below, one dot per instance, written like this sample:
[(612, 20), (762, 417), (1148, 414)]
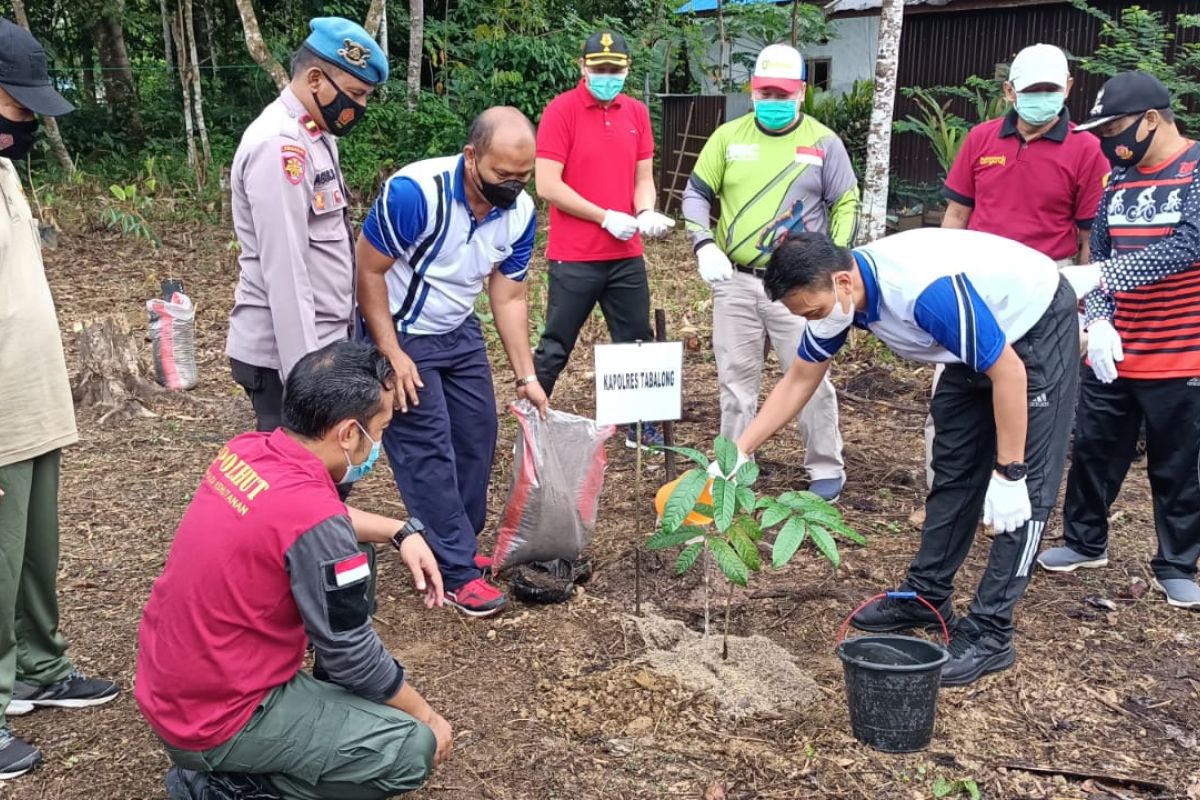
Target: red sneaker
[(483, 563), (477, 599)]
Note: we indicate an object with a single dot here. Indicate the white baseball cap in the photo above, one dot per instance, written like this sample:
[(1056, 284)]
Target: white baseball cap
[(1039, 63), (778, 67)]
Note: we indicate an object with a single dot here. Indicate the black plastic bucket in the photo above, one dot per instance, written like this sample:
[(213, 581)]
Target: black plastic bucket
[(892, 687)]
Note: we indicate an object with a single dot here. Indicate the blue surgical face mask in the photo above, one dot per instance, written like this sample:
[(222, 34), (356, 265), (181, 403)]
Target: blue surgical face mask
[(1038, 108), (775, 115), (605, 86), (356, 472)]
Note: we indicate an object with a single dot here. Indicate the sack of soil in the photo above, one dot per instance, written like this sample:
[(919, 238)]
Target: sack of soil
[(173, 334), (559, 472)]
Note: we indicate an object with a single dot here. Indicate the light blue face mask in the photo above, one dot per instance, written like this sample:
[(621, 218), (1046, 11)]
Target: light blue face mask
[(1038, 108), (775, 115), (356, 472), (605, 86)]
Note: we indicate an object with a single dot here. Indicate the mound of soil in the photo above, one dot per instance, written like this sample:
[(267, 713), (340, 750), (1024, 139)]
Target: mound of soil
[(759, 679)]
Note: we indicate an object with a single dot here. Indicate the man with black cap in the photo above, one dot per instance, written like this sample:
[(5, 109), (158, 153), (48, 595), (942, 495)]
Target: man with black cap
[(595, 167), (37, 419), (295, 293), (1143, 322)]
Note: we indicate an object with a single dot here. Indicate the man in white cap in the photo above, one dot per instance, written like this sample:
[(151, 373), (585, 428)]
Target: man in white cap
[(1023, 177), (776, 172)]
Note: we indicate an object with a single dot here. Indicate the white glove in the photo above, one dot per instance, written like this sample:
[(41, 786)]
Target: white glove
[(1084, 279), (1104, 350), (1006, 506), (714, 265), (654, 225), (621, 226), (714, 469)]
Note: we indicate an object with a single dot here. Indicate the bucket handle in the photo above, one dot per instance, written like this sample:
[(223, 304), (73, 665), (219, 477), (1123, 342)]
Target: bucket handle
[(894, 596)]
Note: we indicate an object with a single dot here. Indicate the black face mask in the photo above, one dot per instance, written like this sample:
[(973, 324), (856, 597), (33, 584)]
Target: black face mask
[(502, 195), (16, 138), (1124, 149), (341, 113)]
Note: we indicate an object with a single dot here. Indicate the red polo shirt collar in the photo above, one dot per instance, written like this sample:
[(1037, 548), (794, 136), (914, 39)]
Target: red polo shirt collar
[(589, 100), (1058, 133)]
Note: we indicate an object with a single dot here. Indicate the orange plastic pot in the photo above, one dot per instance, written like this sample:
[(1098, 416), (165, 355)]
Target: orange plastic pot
[(664, 494)]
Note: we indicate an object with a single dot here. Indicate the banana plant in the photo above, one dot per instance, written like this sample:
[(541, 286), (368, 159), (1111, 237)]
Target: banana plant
[(725, 519)]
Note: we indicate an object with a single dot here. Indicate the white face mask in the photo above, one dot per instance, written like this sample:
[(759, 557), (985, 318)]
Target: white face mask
[(835, 323)]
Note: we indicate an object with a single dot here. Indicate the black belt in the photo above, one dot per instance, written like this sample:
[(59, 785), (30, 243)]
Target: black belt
[(757, 272)]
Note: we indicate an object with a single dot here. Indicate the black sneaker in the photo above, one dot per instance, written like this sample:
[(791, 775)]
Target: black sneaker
[(16, 756), (974, 652), (895, 614), (74, 691), (187, 784)]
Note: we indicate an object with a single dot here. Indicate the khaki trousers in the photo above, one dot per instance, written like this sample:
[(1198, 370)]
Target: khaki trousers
[(742, 317)]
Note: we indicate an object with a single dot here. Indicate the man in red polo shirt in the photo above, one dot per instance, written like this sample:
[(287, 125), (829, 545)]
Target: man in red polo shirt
[(1024, 177), (595, 167), (267, 559)]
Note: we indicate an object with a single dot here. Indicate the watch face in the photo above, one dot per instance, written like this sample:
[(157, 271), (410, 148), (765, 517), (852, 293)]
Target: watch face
[(1016, 472)]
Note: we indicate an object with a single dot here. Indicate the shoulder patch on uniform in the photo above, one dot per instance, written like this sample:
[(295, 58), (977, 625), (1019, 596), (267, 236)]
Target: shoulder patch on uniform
[(293, 168), (309, 124), (351, 569), (813, 156)]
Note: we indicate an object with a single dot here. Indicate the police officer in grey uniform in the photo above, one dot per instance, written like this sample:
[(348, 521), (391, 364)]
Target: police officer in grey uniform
[(295, 293)]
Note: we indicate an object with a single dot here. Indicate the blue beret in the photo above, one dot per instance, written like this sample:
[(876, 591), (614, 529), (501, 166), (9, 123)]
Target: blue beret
[(348, 46)]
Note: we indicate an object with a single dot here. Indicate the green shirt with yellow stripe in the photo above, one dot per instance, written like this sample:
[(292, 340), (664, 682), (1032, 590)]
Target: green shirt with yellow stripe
[(769, 185)]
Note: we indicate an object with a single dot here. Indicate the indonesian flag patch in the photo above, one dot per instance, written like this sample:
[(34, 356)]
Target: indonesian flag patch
[(349, 570), (813, 156)]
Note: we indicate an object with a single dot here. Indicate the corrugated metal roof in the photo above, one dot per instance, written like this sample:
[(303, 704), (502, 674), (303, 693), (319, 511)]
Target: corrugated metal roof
[(701, 6), (841, 6)]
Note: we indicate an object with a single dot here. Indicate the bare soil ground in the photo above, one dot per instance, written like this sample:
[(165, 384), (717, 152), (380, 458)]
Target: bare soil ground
[(553, 702)]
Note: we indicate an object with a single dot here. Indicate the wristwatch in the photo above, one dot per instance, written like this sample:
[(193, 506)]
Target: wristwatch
[(412, 526), (1015, 471), (528, 379)]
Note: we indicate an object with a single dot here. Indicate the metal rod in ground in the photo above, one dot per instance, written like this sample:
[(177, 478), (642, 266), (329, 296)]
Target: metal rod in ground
[(668, 428), (637, 521)]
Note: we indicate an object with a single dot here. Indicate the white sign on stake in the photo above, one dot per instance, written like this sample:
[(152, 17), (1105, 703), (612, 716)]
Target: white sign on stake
[(639, 382)]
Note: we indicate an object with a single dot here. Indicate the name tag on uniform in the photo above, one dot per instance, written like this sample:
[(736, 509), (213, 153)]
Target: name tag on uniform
[(326, 200), (813, 156), (741, 152)]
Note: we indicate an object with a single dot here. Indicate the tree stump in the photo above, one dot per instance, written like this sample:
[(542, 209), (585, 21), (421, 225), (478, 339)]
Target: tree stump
[(110, 370)]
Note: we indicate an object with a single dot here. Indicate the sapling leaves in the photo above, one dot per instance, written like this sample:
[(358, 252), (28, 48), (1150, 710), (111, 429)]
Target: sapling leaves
[(731, 565), (683, 500), (790, 537), (688, 557), (724, 495), (824, 542), (727, 454), (664, 539)]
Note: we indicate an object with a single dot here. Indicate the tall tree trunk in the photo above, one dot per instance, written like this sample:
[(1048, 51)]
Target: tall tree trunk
[(118, 73), (383, 30), (87, 63), (879, 140), (166, 21), (184, 76), (51, 124), (257, 47), (723, 57), (416, 47), (190, 33), (209, 13), (375, 14)]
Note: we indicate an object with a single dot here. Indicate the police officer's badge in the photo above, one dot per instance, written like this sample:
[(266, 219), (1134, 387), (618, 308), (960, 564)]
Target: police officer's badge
[(293, 163), (606, 41), (354, 53)]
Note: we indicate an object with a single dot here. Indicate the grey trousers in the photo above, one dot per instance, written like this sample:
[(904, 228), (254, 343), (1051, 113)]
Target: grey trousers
[(742, 317)]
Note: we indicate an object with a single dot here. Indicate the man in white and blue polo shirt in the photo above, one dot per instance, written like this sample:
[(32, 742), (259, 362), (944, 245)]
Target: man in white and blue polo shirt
[(1001, 319), (441, 232)]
